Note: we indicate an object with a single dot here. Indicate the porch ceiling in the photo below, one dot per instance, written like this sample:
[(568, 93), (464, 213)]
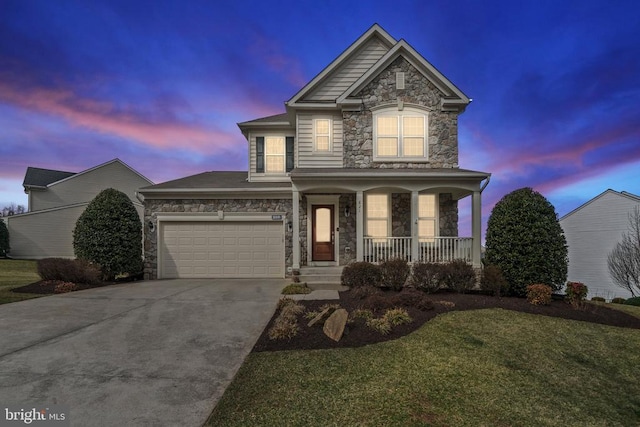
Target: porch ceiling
[(459, 182)]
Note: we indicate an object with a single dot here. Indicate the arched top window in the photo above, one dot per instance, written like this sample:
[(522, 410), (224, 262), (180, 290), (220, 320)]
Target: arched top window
[(400, 134)]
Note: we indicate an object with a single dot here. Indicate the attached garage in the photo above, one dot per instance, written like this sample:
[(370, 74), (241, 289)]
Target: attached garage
[(231, 249)]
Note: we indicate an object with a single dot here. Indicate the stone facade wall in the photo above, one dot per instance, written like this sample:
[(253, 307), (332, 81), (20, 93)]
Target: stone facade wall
[(448, 215), (153, 207), (401, 214), (347, 229), (358, 126)]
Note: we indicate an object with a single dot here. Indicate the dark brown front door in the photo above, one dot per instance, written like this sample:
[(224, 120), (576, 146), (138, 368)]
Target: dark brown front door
[(323, 235)]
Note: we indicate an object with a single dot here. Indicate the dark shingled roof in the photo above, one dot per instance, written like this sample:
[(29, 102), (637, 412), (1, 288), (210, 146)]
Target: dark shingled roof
[(37, 177), (205, 180)]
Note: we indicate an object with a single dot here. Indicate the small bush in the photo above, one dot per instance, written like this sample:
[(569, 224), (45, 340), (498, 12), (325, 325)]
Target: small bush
[(364, 292), (618, 300), (412, 298), (361, 314), (458, 276), (576, 293), (493, 281), (633, 301), (68, 270), (359, 274), (598, 299), (397, 316), (286, 324), (426, 276), (394, 273), (296, 288), (379, 325), (64, 287), (377, 303), (539, 294)]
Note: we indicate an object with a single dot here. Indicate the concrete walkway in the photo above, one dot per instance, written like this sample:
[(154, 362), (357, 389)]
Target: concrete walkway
[(156, 353)]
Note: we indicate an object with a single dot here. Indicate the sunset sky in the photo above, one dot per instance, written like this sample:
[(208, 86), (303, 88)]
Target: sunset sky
[(162, 84)]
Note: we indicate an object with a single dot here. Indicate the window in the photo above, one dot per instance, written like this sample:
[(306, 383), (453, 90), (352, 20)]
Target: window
[(274, 154), (323, 134), (400, 135), (377, 215), (427, 217)]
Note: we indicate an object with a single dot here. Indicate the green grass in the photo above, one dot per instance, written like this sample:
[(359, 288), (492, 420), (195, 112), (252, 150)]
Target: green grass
[(629, 309), (470, 368), (15, 273)]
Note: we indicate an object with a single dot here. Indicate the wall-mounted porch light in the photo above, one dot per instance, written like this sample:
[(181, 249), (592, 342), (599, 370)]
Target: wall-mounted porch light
[(151, 226), (290, 226), (347, 211)]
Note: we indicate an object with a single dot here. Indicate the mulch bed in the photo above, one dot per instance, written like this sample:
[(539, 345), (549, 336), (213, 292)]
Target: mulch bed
[(358, 334), (49, 286)]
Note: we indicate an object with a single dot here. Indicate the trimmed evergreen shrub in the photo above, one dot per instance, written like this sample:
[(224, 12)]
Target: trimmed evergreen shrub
[(633, 301), (109, 234), (426, 276), (359, 274), (4, 239), (458, 276), (68, 270), (394, 273), (493, 280), (618, 300), (525, 240), (598, 299)]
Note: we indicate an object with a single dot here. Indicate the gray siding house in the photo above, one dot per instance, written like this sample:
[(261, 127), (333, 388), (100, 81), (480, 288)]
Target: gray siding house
[(592, 231), (361, 165), (56, 201)]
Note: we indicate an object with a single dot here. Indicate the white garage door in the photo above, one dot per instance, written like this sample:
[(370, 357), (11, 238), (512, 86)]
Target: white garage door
[(222, 249)]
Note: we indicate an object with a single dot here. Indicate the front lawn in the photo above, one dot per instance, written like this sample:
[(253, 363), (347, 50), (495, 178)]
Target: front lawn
[(490, 367), (13, 274)]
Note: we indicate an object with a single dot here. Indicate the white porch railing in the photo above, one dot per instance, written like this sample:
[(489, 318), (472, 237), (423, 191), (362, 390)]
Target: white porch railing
[(437, 249)]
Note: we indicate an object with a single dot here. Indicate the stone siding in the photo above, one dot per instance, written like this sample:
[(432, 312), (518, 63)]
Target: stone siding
[(358, 126), (153, 207), (448, 215), (347, 229)]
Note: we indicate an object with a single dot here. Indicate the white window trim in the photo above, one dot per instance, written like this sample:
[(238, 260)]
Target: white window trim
[(366, 213), (399, 113), (436, 218), (330, 135), (280, 155)]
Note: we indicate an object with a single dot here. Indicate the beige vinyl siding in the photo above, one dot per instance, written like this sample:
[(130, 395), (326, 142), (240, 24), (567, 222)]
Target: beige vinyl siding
[(257, 177), (307, 156), (592, 232), (47, 233), (343, 77), (85, 186)]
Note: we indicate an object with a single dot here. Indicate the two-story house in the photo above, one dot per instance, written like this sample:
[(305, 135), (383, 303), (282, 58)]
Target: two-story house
[(362, 165)]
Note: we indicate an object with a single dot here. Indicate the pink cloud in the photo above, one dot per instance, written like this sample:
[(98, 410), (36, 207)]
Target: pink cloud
[(270, 52)]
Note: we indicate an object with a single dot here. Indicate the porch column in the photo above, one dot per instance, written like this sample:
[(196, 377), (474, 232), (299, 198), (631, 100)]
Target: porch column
[(415, 241), (476, 225), (295, 237), (359, 226)]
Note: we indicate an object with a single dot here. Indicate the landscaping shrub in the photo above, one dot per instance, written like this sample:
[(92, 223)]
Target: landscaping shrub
[(286, 324), (363, 292), (525, 240), (618, 300), (394, 273), (426, 276), (493, 281), (412, 298), (576, 293), (296, 288), (539, 294), (633, 301), (598, 299), (68, 270), (458, 276), (109, 234), (361, 314), (377, 303), (392, 317), (359, 274), (4, 239), (64, 287)]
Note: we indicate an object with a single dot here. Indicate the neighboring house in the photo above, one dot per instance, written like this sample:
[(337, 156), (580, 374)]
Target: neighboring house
[(592, 231), (56, 201), (363, 165)]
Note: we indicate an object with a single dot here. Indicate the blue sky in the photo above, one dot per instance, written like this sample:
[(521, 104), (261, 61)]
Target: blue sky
[(162, 84)]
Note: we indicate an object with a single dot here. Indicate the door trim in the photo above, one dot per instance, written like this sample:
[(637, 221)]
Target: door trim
[(314, 234), (323, 199)]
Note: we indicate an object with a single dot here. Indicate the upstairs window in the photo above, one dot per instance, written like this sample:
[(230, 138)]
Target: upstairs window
[(400, 135), (322, 134), (274, 154)]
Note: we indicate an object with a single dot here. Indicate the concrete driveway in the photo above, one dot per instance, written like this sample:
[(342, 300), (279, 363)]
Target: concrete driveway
[(141, 354)]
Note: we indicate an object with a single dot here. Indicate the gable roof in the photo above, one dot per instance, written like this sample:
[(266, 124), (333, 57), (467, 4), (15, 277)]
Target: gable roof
[(625, 194), (376, 32), (40, 178), (44, 178)]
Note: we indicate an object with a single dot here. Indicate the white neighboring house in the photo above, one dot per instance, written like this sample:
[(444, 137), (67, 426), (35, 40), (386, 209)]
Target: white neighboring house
[(592, 231), (56, 201)]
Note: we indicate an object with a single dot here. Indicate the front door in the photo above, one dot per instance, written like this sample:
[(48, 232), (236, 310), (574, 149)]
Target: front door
[(323, 235)]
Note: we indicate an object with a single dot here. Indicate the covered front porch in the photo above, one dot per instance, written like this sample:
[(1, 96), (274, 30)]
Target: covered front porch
[(340, 215)]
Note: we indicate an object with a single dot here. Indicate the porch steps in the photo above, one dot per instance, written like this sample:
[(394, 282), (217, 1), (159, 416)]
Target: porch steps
[(322, 278)]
